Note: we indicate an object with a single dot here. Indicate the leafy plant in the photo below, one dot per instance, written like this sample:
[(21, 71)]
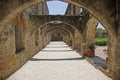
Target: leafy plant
[(91, 47), (99, 33), (101, 41)]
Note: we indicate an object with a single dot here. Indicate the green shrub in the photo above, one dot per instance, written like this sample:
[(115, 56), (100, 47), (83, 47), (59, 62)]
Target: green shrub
[(101, 41)]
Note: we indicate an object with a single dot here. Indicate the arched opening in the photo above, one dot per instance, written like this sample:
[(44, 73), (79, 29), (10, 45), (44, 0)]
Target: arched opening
[(97, 39), (56, 37), (101, 38), (101, 42)]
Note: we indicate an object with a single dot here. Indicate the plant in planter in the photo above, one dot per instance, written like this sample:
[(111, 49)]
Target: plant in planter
[(91, 52)]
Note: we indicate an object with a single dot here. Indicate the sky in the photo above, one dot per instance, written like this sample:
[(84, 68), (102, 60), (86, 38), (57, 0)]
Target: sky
[(59, 8), (100, 26)]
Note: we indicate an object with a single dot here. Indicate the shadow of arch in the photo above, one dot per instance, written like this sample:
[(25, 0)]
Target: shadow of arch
[(62, 59)]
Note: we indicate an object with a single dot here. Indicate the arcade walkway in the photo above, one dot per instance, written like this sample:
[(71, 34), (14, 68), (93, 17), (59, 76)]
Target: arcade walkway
[(58, 62)]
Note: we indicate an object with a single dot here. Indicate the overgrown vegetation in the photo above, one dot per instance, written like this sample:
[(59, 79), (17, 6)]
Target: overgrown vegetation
[(101, 41), (100, 33)]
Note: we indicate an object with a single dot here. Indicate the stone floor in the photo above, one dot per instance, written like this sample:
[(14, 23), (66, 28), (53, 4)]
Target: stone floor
[(99, 52), (58, 62)]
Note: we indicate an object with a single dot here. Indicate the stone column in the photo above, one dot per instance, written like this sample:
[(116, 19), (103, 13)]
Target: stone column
[(73, 42), (47, 39), (42, 42), (83, 46), (113, 63)]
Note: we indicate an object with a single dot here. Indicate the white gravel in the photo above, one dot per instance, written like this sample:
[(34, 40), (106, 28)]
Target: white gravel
[(58, 62), (99, 52)]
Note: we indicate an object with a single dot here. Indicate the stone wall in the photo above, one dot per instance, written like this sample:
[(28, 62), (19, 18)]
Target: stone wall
[(16, 35), (72, 10)]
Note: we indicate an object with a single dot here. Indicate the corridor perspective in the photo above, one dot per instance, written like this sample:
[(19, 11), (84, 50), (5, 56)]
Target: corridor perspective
[(60, 39), (57, 61)]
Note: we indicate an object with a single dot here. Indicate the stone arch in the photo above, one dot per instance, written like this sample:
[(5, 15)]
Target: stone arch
[(57, 36), (61, 27), (69, 25), (51, 29), (90, 32), (51, 32), (92, 8), (70, 34), (62, 32), (54, 31)]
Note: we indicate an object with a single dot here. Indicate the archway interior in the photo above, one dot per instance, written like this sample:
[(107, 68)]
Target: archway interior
[(101, 40), (101, 44), (67, 7), (69, 10)]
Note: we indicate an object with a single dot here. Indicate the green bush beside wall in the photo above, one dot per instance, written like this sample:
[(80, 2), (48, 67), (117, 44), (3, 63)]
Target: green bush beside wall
[(101, 41)]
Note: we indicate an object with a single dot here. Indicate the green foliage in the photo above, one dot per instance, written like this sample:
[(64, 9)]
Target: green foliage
[(69, 42), (91, 47), (99, 32), (101, 41)]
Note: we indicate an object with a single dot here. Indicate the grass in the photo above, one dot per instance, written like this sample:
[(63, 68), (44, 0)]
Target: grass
[(101, 41)]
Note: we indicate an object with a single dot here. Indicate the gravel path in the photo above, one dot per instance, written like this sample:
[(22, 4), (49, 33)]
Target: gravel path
[(58, 62), (99, 52)]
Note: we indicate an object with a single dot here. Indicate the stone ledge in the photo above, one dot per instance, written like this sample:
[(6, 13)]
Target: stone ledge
[(105, 71)]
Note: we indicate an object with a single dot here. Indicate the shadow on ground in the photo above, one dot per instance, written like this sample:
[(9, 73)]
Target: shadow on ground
[(62, 59), (56, 50), (57, 47), (99, 61)]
